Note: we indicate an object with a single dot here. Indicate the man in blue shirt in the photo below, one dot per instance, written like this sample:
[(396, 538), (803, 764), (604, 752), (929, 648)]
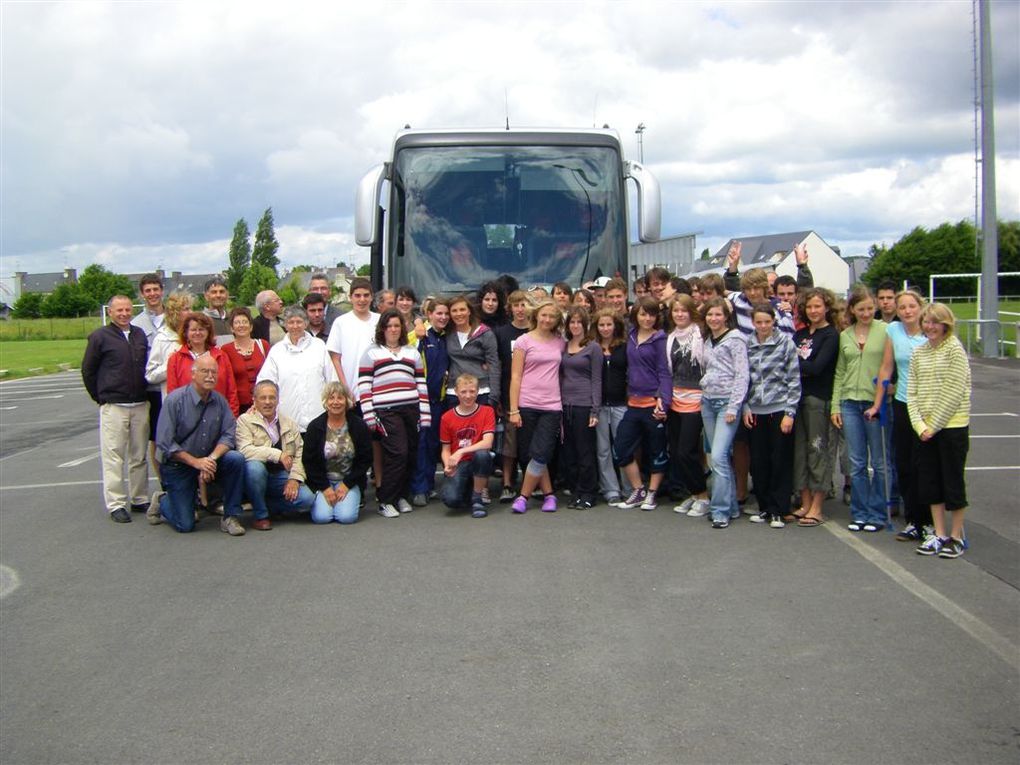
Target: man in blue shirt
[(195, 442)]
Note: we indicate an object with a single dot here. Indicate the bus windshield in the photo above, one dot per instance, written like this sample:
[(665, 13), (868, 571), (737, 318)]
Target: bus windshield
[(466, 214)]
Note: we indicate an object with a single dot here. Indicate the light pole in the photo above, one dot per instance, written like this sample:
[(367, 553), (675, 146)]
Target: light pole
[(641, 141)]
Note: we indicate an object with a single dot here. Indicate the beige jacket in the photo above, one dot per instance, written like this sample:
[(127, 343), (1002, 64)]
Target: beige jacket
[(252, 439)]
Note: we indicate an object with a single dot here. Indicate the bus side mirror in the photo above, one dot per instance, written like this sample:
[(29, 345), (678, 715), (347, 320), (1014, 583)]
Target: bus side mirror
[(366, 205), (649, 201)]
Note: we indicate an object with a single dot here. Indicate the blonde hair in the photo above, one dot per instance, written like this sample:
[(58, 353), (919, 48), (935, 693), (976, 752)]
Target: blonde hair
[(940, 312), (538, 309), (178, 303), (336, 388)]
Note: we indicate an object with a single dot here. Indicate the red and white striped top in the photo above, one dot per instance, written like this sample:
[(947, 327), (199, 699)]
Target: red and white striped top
[(392, 378)]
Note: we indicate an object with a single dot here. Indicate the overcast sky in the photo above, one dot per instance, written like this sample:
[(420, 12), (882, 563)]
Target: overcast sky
[(136, 134)]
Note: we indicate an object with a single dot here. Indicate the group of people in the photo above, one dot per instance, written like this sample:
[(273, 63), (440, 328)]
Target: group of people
[(567, 393)]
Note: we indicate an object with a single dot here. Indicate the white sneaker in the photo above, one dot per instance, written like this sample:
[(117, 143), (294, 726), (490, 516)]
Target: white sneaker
[(404, 506), (388, 511), (758, 518), (699, 509), (776, 522), (684, 506)]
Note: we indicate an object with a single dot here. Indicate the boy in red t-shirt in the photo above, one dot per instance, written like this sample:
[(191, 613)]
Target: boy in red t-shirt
[(466, 433)]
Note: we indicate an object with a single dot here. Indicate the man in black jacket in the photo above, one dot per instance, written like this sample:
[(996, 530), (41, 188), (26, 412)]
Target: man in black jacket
[(114, 374)]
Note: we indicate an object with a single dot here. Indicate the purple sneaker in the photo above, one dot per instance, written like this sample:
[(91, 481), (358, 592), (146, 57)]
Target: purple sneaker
[(520, 505), (549, 505)]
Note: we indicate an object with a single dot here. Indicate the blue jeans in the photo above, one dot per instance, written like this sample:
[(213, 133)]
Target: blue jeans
[(264, 490), (640, 428), (180, 483), (456, 490), (423, 480), (345, 511), (719, 434), (864, 440)]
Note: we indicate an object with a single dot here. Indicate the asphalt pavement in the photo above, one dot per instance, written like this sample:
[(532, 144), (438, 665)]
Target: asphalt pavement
[(599, 636)]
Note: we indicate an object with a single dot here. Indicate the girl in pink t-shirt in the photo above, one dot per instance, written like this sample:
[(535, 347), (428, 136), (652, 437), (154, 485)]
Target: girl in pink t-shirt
[(535, 406)]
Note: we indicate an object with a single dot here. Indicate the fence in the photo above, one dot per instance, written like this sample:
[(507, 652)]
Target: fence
[(969, 332)]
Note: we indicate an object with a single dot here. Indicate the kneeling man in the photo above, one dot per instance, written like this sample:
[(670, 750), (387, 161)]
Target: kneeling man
[(195, 442), (271, 444), (466, 433)]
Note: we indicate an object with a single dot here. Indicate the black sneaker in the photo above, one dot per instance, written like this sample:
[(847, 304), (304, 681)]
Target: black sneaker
[(120, 515), (951, 548), (721, 524), (584, 504), (910, 533), (507, 495)]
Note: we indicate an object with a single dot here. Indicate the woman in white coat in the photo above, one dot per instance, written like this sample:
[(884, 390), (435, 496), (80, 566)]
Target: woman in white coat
[(300, 365)]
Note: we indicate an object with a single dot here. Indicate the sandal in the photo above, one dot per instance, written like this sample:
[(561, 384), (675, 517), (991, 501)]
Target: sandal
[(794, 517), (810, 522)]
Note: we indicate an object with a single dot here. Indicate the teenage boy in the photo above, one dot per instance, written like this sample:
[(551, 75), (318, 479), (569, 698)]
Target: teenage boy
[(352, 334), (466, 434), (316, 308), (659, 284), (319, 284), (885, 297), (616, 297), (506, 338), (150, 321)]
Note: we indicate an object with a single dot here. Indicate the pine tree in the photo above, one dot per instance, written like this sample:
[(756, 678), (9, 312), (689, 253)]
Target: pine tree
[(240, 256), (264, 252)]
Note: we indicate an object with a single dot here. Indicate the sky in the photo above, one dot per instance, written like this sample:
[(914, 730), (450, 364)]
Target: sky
[(135, 134)]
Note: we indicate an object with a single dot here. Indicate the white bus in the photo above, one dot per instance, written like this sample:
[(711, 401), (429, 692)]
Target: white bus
[(452, 209)]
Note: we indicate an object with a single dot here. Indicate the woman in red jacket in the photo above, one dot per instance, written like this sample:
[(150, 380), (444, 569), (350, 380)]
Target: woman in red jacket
[(197, 339)]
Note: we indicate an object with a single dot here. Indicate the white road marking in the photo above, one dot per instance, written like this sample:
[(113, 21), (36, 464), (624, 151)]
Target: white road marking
[(995, 467), (28, 486), (34, 398), (9, 581), (18, 454), (994, 414), (965, 620), (1010, 436), (8, 408), (79, 461)]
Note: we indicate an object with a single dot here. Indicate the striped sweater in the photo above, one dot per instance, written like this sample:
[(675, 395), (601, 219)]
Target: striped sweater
[(388, 379), (938, 389)]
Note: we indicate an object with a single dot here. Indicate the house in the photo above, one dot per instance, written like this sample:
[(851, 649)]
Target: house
[(675, 253), (774, 252), (15, 286)]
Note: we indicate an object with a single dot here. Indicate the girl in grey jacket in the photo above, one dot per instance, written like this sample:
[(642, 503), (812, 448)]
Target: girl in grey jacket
[(768, 414)]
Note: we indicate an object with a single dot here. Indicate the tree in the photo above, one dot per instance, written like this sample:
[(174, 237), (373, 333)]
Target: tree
[(705, 254), (100, 284), (240, 256), (68, 301), (365, 270), (257, 278), (28, 306), (264, 251), (945, 249)]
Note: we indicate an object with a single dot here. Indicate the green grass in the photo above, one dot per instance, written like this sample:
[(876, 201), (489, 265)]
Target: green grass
[(48, 329), (35, 357)]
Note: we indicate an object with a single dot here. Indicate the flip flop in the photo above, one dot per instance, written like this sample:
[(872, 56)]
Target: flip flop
[(794, 517), (810, 522)]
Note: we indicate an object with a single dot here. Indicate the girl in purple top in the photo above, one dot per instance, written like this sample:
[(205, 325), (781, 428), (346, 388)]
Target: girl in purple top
[(581, 385), (649, 391), (535, 404)]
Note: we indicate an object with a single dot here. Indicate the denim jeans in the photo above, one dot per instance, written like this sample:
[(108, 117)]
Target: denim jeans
[(345, 511), (264, 489), (864, 440), (719, 434), (457, 488), (180, 482)]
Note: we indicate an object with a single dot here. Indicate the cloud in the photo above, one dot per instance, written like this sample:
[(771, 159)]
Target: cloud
[(146, 124)]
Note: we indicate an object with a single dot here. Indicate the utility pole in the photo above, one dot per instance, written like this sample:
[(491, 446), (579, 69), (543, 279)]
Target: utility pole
[(989, 223), (641, 141)]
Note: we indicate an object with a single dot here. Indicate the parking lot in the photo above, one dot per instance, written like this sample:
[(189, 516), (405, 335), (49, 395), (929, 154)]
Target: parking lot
[(598, 636)]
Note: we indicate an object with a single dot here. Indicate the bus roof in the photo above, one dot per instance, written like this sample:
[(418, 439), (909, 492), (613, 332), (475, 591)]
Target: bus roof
[(501, 137)]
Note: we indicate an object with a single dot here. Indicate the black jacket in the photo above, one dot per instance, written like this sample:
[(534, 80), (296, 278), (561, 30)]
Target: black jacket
[(113, 368), (315, 461)]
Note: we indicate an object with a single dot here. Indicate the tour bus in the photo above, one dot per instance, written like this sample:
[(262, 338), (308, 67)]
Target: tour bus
[(452, 209)]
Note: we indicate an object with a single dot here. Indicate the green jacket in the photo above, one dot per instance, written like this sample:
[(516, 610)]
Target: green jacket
[(857, 369)]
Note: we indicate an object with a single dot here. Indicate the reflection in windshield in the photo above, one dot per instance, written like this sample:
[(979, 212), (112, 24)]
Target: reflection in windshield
[(464, 215)]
